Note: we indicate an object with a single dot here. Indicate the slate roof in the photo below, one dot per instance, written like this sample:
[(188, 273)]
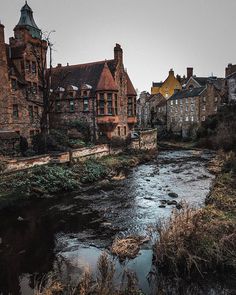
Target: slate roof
[(81, 74), (106, 81), (130, 87), (187, 93)]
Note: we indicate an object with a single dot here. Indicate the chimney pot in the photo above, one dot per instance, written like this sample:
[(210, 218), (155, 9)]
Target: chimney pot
[(59, 65)]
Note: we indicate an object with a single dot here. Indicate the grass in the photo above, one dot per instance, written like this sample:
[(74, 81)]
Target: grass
[(201, 241)]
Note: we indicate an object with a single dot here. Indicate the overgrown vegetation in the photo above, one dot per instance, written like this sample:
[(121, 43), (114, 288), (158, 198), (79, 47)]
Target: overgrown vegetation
[(218, 131), (41, 181), (202, 241)]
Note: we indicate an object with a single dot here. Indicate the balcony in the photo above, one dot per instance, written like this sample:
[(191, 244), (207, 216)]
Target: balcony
[(132, 120), (102, 119)]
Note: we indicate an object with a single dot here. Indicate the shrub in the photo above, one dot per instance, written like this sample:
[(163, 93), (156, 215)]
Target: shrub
[(42, 180), (92, 171)]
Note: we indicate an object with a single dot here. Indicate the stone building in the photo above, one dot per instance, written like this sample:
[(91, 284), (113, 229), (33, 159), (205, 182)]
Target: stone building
[(143, 110), (20, 88), (158, 115), (99, 93), (187, 108), (167, 87), (230, 75)]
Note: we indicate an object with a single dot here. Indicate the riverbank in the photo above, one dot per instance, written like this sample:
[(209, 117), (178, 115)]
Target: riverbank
[(50, 180), (201, 242)]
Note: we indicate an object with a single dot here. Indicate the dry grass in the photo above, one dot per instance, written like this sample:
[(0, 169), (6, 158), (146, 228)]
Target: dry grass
[(195, 242), (127, 247), (102, 284)]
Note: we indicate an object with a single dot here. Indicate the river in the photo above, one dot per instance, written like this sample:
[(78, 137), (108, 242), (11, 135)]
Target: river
[(67, 234)]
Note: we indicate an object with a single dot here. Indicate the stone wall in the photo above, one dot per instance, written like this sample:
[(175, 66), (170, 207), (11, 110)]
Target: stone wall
[(147, 141)]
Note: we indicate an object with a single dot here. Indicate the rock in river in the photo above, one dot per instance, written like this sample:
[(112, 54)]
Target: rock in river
[(173, 195)]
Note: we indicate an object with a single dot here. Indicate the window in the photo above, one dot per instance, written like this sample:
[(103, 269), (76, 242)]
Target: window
[(203, 118), (27, 66), (109, 104), (72, 106), (192, 119), (186, 108), (181, 119), (33, 67), (176, 101), (36, 111), (204, 99), (85, 104), (186, 100), (203, 107), (31, 113), (85, 93), (130, 106), (171, 102), (125, 131), (15, 111), (14, 84), (186, 118), (116, 104), (119, 130), (135, 106), (192, 107), (180, 102), (216, 109), (216, 99), (101, 104)]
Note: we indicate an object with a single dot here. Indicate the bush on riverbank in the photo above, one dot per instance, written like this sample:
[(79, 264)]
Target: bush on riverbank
[(201, 241), (218, 131), (39, 180)]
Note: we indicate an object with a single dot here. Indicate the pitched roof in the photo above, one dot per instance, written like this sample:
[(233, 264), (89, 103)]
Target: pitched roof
[(130, 87), (187, 93), (106, 81), (81, 74)]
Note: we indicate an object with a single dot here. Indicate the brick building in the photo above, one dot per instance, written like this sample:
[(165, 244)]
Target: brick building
[(20, 88), (99, 93)]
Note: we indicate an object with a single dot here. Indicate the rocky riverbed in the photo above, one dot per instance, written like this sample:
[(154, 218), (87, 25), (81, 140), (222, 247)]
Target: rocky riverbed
[(66, 235)]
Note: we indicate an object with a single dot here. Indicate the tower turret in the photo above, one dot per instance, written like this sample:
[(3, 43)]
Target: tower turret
[(27, 22)]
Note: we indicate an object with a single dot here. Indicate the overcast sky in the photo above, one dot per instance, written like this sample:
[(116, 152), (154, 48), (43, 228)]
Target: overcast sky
[(156, 35)]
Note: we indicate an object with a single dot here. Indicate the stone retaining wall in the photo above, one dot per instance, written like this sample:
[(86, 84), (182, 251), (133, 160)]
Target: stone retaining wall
[(147, 141)]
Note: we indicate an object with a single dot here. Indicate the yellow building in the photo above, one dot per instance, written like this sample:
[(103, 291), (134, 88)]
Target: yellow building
[(168, 87)]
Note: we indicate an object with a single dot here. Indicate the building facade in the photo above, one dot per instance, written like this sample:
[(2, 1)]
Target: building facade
[(187, 108), (20, 88), (99, 93)]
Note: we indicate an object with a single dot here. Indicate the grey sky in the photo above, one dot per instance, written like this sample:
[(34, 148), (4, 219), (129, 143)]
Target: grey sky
[(156, 35)]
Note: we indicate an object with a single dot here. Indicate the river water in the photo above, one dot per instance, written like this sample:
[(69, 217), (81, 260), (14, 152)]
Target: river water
[(68, 234)]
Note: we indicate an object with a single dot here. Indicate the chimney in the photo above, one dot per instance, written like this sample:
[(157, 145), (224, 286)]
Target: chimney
[(59, 65), (228, 70), (2, 35), (189, 73), (171, 72), (118, 54)]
